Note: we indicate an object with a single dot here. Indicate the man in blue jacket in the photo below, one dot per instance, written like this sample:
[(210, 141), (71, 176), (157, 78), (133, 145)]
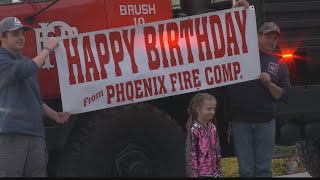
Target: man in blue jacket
[(254, 105), (22, 136)]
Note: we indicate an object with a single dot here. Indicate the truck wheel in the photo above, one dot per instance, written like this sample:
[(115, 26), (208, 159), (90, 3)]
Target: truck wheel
[(132, 140), (309, 152)]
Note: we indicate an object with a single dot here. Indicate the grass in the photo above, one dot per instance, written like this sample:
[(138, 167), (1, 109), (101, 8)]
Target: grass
[(229, 167), (279, 166)]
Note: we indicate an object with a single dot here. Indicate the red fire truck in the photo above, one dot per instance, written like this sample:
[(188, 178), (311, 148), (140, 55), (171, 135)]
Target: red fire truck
[(148, 139)]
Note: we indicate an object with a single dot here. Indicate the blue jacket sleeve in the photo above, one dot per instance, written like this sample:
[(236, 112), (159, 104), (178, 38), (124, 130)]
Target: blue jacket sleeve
[(284, 82), (12, 70)]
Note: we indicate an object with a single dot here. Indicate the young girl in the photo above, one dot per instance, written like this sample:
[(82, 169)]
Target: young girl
[(202, 149)]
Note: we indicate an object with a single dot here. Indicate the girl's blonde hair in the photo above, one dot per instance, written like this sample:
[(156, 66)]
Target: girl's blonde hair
[(196, 102)]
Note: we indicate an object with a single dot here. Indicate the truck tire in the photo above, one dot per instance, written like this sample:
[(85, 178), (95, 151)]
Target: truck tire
[(132, 140), (309, 152)]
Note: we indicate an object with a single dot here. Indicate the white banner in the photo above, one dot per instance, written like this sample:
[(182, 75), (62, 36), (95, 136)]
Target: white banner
[(115, 67)]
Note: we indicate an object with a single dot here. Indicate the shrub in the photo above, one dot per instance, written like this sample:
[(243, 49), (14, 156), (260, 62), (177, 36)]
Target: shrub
[(285, 151)]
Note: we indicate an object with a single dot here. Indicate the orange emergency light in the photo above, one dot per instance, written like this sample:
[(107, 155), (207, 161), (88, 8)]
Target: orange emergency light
[(287, 56)]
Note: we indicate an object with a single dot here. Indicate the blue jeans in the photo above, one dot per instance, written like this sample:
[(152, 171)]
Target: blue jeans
[(254, 143)]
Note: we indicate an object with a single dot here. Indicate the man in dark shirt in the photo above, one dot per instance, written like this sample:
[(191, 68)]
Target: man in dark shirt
[(253, 106), (22, 137)]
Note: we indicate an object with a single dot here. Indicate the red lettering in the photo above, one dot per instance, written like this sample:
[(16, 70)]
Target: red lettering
[(115, 38), (151, 47), (73, 60), (120, 92), (195, 75), (162, 89), (89, 60), (163, 50), (130, 47), (173, 40), (155, 85), (147, 84), (129, 91), (236, 69), (203, 38), (104, 58), (137, 85), (173, 81), (208, 70), (187, 80), (186, 30), (110, 93), (227, 72), (180, 81), (218, 53), (231, 36), (85, 102), (217, 74), (242, 28)]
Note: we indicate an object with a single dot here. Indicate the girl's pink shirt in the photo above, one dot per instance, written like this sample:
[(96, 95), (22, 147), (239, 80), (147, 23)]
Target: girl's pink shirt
[(203, 151)]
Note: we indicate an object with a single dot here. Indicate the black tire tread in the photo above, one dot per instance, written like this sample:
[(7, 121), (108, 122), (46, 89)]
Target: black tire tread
[(87, 123)]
